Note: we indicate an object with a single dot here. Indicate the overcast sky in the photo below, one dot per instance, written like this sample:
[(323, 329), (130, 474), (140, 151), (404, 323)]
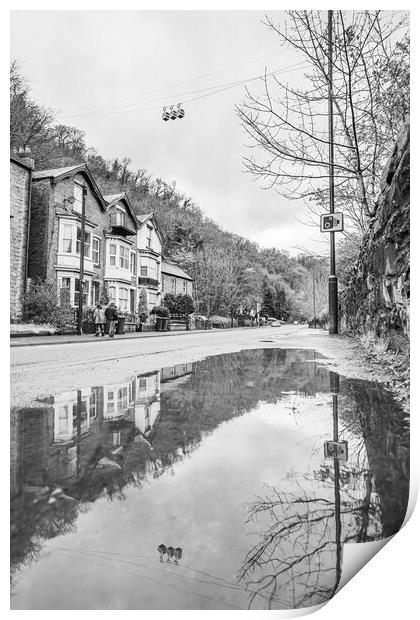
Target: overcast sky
[(87, 65)]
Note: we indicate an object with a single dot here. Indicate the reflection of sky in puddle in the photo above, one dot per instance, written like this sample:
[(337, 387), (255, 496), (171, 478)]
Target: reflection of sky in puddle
[(195, 447)]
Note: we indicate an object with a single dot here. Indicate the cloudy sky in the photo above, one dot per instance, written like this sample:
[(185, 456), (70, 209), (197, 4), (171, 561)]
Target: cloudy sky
[(109, 73)]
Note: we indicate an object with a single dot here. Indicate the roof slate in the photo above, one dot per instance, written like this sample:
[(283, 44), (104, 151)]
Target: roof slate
[(174, 270), (55, 172)]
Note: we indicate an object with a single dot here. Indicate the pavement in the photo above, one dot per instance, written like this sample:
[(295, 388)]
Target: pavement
[(35, 340)]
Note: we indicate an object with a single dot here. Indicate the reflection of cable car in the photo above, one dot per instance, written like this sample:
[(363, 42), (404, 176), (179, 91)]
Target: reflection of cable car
[(165, 115)]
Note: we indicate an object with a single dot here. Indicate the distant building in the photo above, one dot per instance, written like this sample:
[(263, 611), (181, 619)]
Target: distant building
[(21, 167), (175, 280), (149, 246)]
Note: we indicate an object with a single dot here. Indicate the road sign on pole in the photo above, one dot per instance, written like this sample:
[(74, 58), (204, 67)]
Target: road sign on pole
[(336, 450), (332, 222)]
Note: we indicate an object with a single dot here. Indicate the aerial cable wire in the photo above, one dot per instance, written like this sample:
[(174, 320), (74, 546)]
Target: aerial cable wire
[(199, 77), (213, 90)]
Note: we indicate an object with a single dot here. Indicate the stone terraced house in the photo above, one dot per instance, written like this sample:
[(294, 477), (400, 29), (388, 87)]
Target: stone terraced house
[(122, 251)]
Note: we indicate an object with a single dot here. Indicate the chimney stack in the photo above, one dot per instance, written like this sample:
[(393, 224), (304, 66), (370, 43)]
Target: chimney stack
[(25, 155)]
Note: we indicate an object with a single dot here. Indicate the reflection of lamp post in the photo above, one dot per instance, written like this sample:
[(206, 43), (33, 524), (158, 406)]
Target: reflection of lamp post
[(82, 262), (337, 450)]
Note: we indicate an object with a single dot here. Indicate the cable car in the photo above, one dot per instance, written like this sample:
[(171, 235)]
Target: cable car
[(180, 112), (165, 115)]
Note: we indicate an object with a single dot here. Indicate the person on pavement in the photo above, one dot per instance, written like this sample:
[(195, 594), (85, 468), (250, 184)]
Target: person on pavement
[(111, 314), (99, 316)]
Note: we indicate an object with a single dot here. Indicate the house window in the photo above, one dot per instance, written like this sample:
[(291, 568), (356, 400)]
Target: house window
[(124, 298), (142, 385), (124, 257), (173, 285), (94, 293), (110, 403), (149, 237), (78, 198), (85, 292), (152, 266), (152, 299), (184, 286), (112, 294), (119, 218), (88, 238), (133, 263), (65, 282), (67, 238), (122, 402), (96, 248), (116, 439), (113, 255), (143, 271), (93, 405)]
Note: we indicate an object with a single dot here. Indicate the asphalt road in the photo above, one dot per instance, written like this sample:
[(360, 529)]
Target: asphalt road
[(45, 370)]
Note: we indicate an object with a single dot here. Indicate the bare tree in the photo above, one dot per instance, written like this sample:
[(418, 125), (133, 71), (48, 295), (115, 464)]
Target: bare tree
[(297, 560), (290, 124)]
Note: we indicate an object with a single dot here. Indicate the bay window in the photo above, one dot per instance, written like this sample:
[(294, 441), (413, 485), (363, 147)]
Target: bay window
[(113, 255), (112, 294), (143, 271), (123, 294), (77, 290), (67, 244), (133, 263), (96, 248), (88, 238), (124, 257)]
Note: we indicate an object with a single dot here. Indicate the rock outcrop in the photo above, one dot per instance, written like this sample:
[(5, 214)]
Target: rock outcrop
[(378, 293)]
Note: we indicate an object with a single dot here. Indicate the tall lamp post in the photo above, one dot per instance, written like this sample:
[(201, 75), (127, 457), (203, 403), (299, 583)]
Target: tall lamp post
[(82, 262), (332, 282)]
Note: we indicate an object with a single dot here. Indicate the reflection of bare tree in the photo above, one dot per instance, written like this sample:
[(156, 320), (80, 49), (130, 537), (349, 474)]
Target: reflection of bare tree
[(298, 555)]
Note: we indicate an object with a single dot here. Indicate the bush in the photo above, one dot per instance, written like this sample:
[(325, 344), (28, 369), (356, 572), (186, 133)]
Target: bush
[(179, 304), (41, 306), (40, 302), (161, 311), (221, 321), (143, 307)]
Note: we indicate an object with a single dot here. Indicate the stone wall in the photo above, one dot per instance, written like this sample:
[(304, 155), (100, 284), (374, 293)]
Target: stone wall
[(378, 294), (19, 218)]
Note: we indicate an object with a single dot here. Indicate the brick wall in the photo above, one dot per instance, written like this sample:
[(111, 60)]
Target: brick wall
[(38, 233), (19, 212)]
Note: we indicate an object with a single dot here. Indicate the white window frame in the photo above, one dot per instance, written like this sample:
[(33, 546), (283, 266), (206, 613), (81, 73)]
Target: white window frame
[(112, 298), (88, 243), (96, 252), (113, 255), (124, 257), (133, 263), (123, 301), (67, 228)]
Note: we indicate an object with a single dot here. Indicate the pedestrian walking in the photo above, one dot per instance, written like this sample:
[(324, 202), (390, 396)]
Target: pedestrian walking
[(111, 314), (99, 316)]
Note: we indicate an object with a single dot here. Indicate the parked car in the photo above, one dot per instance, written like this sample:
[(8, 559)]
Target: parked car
[(276, 323)]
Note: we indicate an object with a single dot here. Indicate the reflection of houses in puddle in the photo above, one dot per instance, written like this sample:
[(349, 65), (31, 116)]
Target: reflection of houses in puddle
[(172, 377)]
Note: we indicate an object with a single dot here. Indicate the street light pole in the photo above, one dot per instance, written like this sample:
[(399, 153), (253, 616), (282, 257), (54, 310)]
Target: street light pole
[(332, 282), (82, 262)]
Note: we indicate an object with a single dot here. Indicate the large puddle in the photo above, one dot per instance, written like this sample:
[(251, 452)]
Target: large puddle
[(211, 485)]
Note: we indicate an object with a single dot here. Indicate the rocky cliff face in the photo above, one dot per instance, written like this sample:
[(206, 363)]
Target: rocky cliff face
[(378, 294)]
